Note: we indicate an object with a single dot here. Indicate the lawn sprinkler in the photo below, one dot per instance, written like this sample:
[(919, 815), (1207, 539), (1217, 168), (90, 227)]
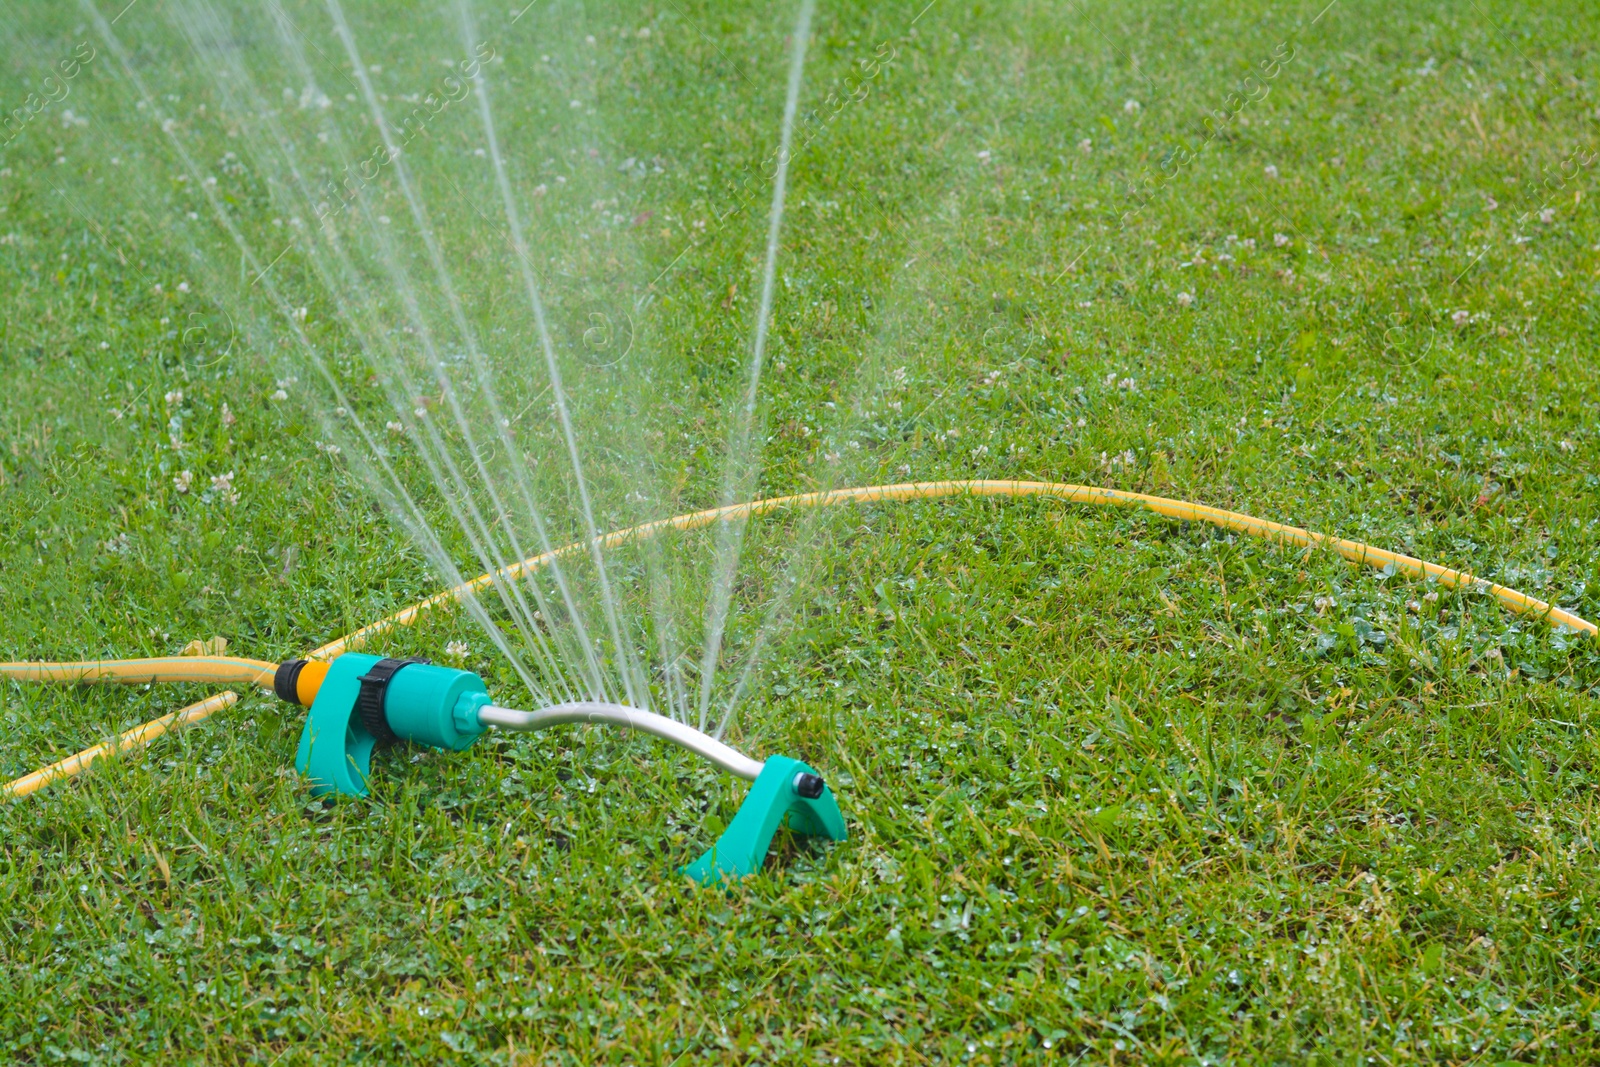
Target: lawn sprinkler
[(357, 701), (354, 700)]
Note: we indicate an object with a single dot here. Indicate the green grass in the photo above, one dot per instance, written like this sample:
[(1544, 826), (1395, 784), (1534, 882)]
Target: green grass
[(1120, 790)]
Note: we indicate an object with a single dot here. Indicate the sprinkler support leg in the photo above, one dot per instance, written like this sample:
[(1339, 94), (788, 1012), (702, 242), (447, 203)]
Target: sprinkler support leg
[(785, 788), (335, 749)]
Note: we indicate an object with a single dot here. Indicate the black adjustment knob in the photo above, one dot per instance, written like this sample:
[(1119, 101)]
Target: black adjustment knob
[(808, 785), (370, 697)]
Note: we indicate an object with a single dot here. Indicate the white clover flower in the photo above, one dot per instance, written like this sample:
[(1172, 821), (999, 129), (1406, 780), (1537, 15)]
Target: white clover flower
[(1185, 299), (222, 485), (183, 481)]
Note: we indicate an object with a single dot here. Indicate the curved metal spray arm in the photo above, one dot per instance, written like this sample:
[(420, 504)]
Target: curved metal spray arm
[(587, 711)]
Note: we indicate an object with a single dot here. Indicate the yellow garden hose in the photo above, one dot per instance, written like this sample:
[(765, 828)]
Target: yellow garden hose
[(1354, 551), (140, 671), (138, 737), (222, 669)]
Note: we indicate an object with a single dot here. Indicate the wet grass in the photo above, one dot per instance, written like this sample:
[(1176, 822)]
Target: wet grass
[(1120, 790)]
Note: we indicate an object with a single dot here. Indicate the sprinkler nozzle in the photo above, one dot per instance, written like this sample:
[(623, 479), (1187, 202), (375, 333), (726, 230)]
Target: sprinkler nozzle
[(809, 786)]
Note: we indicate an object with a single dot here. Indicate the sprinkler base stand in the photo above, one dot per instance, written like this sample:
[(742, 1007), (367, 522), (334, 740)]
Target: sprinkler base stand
[(785, 788)]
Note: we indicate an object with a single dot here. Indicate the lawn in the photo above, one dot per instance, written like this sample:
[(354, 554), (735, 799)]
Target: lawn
[(1119, 789)]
